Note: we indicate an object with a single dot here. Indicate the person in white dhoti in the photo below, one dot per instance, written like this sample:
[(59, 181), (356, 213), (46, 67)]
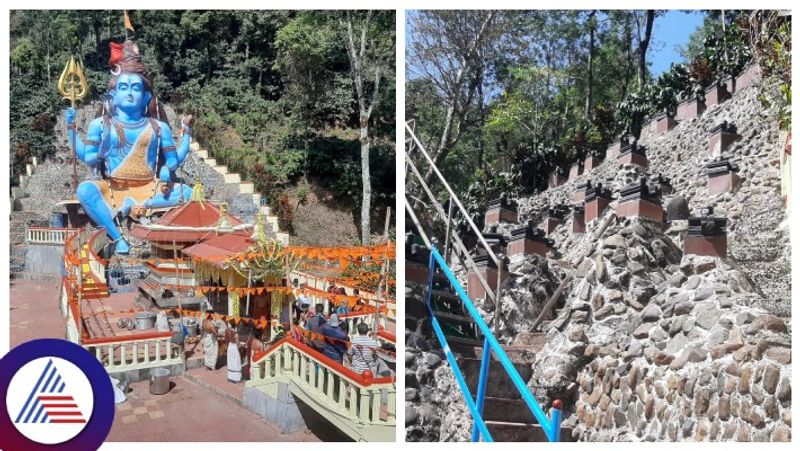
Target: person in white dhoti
[(210, 344), (234, 358)]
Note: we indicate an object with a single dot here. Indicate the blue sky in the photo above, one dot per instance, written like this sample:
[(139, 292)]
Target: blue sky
[(670, 31)]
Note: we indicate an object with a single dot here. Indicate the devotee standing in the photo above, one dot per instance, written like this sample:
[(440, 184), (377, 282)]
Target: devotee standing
[(363, 351), (314, 325), (234, 358), (210, 344), (254, 344), (335, 339)]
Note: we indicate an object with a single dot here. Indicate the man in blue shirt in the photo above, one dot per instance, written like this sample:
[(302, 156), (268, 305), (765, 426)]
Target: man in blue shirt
[(335, 339)]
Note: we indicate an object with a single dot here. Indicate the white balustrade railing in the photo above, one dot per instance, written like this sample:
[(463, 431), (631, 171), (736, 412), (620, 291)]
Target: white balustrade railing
[(359, 400), (96, 243), (135, 353), (47, 235)]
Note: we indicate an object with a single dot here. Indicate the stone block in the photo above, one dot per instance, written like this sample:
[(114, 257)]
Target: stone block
[(595, 208), (575, 171), (641, 208), (498, 215), (714, 246), (748, 77), (282, 409), (690, 109), (720, 141), (723, 183), (550, 224), (590, 163), (578, 221), (488, 270), (716, 95), (665, 123), (633, 158), (526, 246)]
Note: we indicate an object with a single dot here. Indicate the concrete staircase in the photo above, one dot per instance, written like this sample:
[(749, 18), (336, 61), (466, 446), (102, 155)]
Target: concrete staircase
[(245, 187)]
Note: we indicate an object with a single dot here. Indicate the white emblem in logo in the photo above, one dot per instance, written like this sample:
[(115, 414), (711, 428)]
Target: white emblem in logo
[(50, 400)]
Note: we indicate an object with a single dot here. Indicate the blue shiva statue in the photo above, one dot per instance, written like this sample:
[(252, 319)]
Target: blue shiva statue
[(129, 144)]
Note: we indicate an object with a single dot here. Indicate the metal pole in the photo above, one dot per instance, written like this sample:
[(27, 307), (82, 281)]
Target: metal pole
[(497, 305), (482, 379), (447, 230), (247, 304)]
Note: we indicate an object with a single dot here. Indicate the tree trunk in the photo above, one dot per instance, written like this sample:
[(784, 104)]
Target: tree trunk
[(651, 14), (588, 108), (366, 184)]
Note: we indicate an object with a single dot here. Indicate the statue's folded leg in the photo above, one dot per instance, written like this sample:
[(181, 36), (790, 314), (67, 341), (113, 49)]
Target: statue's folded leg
[(94, 204), (178, 194)]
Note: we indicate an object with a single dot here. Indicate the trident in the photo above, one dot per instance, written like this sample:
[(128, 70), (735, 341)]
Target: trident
[(73, 87)]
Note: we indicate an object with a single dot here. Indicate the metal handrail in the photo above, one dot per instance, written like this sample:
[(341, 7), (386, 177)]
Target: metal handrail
[(463, 254), (453, 196), (551, 426)]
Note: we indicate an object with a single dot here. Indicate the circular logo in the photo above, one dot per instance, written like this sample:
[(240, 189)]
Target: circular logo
[(57, 397)]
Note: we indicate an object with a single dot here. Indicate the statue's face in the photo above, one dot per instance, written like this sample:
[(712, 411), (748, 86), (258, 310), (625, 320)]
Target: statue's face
[(130, 94)]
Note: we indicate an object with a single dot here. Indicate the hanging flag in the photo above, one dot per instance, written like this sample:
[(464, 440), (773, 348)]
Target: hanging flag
[(128, 24)]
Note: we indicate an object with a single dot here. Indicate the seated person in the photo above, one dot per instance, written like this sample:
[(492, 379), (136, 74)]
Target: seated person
[(335, 339), (363, 351), (314, 325)]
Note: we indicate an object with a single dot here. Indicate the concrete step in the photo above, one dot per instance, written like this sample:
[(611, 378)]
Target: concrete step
[(221, 169), (499, 383), (265, 210), (273, 222), (257, 198), (232, 178), (522, 432), (282, 238), (194, 146), (202, 154), (211, 162), (213, 388), (247, 187)]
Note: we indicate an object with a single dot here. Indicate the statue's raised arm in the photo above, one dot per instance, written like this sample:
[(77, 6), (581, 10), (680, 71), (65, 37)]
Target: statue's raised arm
[(86, 151)]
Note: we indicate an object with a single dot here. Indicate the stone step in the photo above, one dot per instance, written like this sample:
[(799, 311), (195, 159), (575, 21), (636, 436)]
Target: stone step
[(232, 178), (257, 198), (194, 146), (507, 410), (202, 154), (29, 169), (221, 169), (265, 210), (453, 318), (247, 187), (211, 162), (522, 432), (499, 384)]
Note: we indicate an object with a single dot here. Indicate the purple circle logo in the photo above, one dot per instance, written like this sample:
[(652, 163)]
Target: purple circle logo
[(57, 397)]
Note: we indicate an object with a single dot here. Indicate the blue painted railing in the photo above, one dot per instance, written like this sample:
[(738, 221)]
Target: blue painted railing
[(551, 426)]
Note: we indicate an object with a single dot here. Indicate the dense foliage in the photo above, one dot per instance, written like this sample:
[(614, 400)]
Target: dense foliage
[(271, 90), (551, 87)]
